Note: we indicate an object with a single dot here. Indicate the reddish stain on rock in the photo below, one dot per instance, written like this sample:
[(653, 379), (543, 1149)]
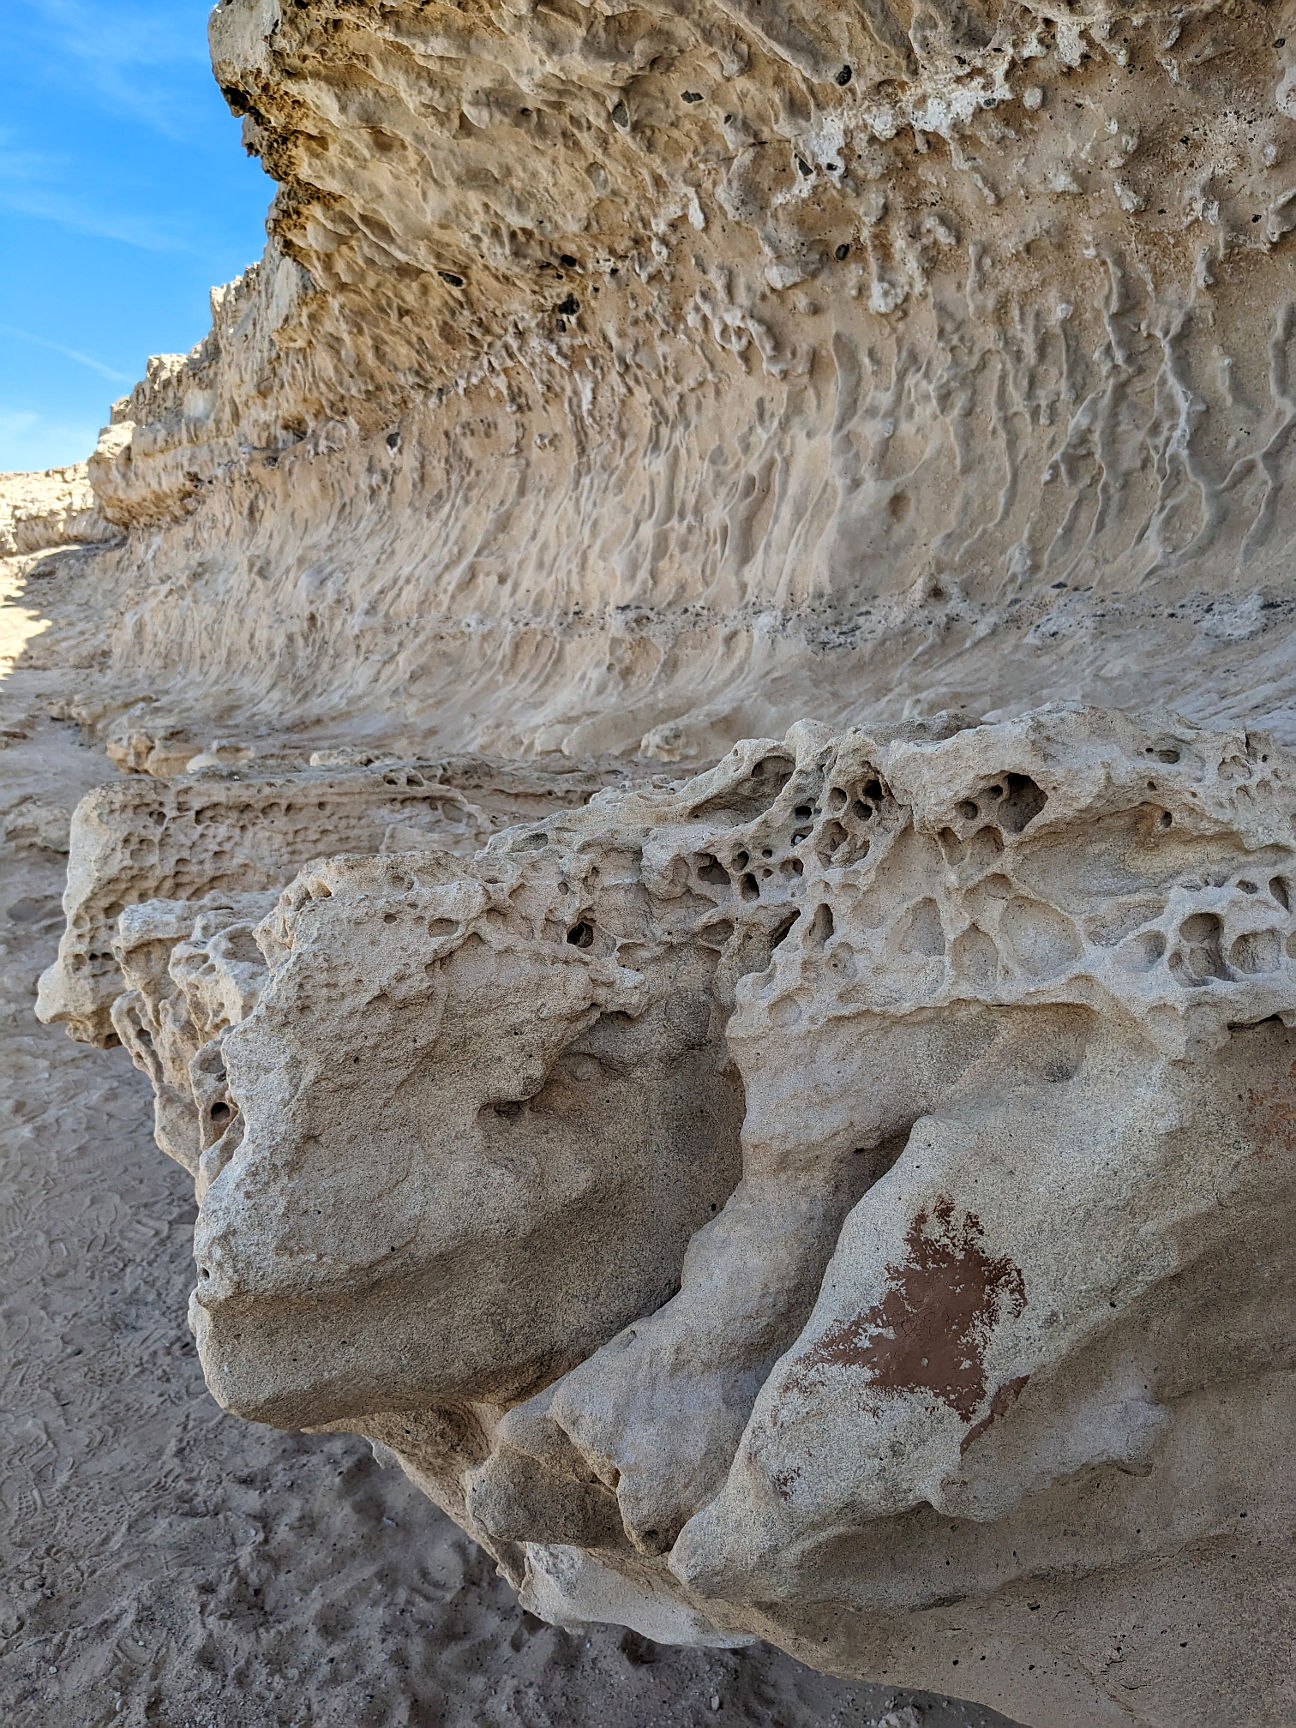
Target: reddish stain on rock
[(1272, 1117), (929, 1332)]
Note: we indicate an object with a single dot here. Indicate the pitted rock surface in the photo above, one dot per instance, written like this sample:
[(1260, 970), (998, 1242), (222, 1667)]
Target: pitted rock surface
[(806, 1200)]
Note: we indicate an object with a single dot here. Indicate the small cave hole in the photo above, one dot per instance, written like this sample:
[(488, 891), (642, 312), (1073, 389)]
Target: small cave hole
[(1145, 950), (220, 1112), (1201, 959), (1256, 951), (581, 935), (751, 796), (803, 812), (1022, 802), (741, 859), (837, 799), (638, 1651), (780, 932), (832, 838), (390, 917), (773, 767), (968, 809), (749, 887), (710, 870), (1278, 889)]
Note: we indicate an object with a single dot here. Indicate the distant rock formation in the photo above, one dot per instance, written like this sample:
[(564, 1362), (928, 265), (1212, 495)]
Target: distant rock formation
[(53, 508), (842, 1197)]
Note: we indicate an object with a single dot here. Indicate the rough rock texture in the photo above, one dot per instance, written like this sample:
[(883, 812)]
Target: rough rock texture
[(166, 1565), (194, 836), (843, 1197), (650, 377), (839, 1196), (55, 508)]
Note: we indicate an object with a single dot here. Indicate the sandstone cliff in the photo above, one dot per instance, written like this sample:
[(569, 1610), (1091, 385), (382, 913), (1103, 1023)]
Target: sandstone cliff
[(641, 379), (706, 887), (844, 1197)]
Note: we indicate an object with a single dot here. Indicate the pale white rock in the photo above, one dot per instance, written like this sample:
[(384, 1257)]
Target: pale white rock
[(141, 839), (844, 1197), (50, 508)]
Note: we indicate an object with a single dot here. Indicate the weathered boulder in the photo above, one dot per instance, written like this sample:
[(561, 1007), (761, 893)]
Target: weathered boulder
[(844, 1197), (239, 831)]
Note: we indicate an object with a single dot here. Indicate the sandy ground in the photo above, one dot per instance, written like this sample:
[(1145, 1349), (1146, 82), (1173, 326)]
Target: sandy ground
[(166, 1564)]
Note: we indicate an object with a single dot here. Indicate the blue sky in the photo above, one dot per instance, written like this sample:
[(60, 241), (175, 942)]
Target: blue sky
[(124, 195)]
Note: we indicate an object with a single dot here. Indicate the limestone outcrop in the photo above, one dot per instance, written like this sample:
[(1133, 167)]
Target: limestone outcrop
[(228, 829), (639, 380), (45, 510), (771, 1155), (842, 1197)]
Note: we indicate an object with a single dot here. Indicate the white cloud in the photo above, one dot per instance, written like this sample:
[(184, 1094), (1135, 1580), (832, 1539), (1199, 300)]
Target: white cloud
[(83, 218), (75, 354), (29, 440), (29, 187)]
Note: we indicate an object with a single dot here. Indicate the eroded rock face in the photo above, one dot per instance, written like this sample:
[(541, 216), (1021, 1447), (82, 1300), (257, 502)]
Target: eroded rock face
[(144, 839), (643, 379), (843, 1197)]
